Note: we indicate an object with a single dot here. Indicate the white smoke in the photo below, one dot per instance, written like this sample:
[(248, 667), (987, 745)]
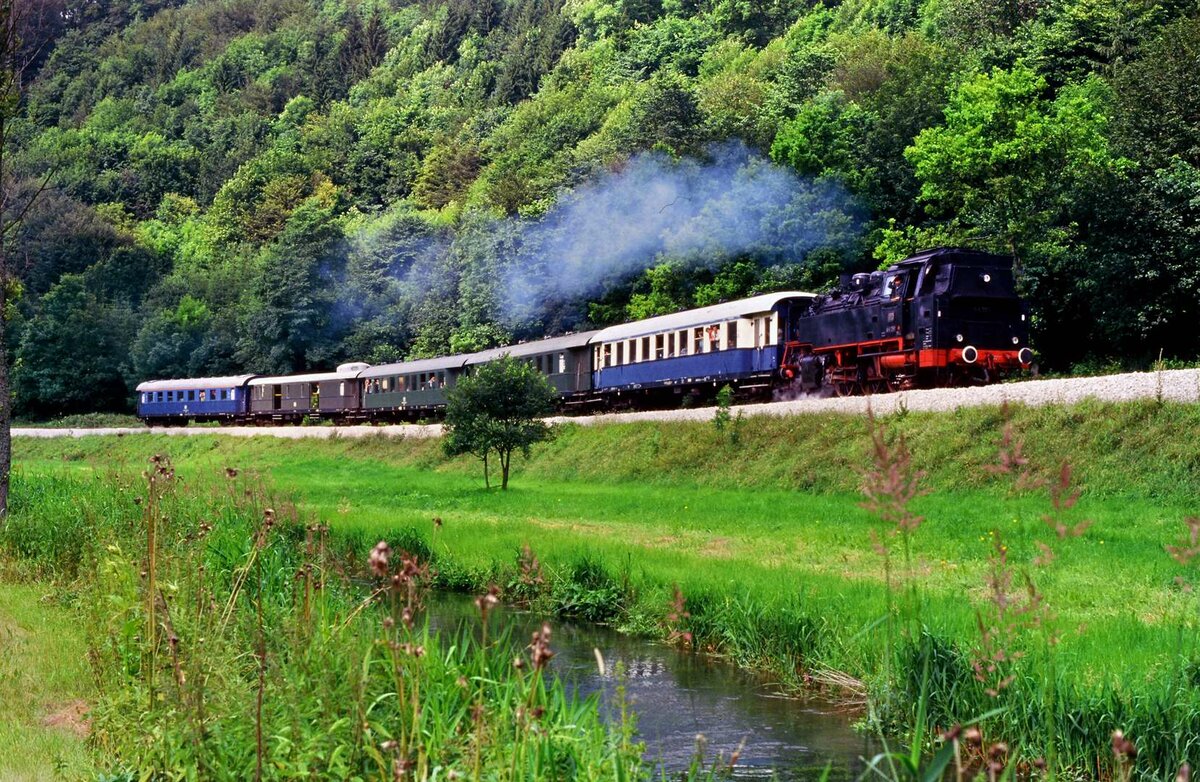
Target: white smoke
[(698, 211)]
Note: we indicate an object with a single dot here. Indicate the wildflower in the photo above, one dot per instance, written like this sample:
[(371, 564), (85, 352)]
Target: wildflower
[(486, 602), (531, 569), (1123, 748), (518, 663), (539, 647), (1185, 773), (388, 623), (230, 473), (437, 522), (389, 745), (378, 559)]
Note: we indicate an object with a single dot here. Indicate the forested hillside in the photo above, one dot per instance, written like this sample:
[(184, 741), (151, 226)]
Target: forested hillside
[(275, 185)]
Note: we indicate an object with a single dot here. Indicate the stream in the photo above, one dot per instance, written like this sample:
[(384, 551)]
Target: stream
[(678, 695)]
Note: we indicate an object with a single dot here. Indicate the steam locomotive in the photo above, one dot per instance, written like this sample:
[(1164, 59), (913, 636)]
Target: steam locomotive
[(943, 317)]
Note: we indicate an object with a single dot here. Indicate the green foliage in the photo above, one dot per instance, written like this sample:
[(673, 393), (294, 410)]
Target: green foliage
[(722, 416), (71, 359), (1008, 161), (497, 408), (330, 180)]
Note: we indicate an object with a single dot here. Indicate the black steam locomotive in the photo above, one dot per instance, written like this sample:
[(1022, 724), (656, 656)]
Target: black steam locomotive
[(944, 317)]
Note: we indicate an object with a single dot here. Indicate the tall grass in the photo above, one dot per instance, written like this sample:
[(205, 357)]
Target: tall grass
[(229, 641)]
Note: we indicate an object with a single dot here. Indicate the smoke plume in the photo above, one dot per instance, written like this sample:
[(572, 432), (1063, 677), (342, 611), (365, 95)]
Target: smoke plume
[(734, 203)]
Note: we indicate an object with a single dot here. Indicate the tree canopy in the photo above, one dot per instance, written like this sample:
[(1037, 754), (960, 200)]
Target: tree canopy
[(283, 185), (497, 409)]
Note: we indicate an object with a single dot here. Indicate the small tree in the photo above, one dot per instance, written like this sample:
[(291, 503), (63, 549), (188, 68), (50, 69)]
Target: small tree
[(497, 409)]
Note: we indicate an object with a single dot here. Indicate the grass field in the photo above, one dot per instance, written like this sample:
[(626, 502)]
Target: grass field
[(44, 687), (762, 529)]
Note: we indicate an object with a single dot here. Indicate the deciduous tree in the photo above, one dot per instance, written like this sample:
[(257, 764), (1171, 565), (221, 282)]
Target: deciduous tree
[(498, 409)]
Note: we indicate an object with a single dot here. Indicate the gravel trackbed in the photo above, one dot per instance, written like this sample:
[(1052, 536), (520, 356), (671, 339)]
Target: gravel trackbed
[(1179, 385)]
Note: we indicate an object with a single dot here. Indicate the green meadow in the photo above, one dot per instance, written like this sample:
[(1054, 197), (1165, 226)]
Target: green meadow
[(983, 605)]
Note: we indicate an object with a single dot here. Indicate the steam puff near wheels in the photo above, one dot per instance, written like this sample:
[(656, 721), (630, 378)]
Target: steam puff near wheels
[(942, 318)]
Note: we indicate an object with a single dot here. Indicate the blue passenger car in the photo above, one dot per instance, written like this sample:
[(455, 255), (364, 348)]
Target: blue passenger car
[(740, 342), (222, 399)]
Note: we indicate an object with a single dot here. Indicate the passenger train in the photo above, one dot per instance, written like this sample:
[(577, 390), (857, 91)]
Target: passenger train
[(943, 317)]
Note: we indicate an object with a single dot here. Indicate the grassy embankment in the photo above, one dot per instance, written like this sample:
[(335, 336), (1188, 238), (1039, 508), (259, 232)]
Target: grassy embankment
[(761, 527)]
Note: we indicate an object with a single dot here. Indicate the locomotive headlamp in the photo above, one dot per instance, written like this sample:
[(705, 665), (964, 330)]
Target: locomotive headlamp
[(987, 278), (1022, 316), (1016, 340), (958, 337), (970, 355)]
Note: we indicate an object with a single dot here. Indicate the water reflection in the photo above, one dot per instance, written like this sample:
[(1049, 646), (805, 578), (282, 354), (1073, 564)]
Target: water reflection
[(679, 695)]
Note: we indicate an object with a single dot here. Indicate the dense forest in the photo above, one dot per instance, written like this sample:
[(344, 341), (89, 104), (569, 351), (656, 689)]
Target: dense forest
[(276, 185)]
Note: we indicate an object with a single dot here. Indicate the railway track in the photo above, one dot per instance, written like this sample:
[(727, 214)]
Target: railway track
[(1178, 385)]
